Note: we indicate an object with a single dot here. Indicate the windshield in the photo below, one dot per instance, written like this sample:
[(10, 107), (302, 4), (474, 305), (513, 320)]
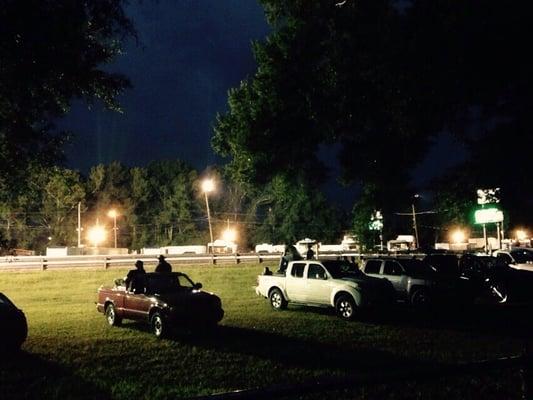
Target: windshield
[(522, 256), (163, 283), (342, 269), (417, 268)]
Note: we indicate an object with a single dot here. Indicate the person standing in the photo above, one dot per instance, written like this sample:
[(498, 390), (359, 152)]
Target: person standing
[(135, 279), (163, 266), (310, 255)]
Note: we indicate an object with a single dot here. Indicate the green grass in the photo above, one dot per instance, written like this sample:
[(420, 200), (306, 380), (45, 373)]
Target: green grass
[(72, 353)]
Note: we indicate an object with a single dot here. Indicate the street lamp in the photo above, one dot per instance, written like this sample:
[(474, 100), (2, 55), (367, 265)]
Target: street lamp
[(458, 236), (96, 235), (208, 186), (114, 214), (521, 234)]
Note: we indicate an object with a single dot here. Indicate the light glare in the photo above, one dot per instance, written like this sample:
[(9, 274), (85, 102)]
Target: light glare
[(458, 236), (208, 185), (229, 235), (96, 235)]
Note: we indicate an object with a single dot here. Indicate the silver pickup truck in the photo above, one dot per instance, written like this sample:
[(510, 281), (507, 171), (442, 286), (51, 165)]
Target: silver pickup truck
[(337, 284)]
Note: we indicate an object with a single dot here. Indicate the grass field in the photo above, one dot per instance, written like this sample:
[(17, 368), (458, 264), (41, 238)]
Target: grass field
[(72, 353)]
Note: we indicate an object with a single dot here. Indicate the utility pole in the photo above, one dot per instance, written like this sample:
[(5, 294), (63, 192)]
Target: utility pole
[(79, 224), (415, 227)]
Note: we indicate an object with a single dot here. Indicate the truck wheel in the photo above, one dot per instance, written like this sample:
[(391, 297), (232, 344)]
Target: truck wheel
[(345, 306), (420, 297), (111, 316), (159, 325), (277, 301)]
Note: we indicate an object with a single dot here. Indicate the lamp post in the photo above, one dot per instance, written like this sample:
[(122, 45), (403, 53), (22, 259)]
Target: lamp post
[(208, 186), (114, 214)]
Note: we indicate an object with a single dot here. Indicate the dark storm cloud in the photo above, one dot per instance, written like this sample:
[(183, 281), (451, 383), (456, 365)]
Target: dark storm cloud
[(189, 54)]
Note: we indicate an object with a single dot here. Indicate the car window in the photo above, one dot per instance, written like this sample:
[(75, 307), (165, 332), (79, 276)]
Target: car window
[(392, 268), (185, 282), (298, 270), (372, 266), (5, 300), (316, 271), (522, 256), (505, 258)]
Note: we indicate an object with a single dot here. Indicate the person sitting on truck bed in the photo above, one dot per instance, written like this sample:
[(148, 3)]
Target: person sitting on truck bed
[(290, 254)]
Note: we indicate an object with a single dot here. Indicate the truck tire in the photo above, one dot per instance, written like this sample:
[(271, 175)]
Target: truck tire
[(111, 315), (277, 301), (159, 325), (345, 307), (420, 297)]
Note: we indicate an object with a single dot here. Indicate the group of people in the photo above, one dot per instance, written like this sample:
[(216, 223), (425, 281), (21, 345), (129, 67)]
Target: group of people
[(134, 281)]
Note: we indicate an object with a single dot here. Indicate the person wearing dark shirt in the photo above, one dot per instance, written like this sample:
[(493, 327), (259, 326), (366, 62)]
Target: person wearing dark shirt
[(135, 279), (310, 253), (163, 266)]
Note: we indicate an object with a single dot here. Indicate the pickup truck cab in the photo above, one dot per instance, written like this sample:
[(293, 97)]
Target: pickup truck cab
[(337, 284)]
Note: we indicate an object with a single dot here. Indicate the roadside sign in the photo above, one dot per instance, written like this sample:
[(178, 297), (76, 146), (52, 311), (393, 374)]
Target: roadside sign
[(488, 216)]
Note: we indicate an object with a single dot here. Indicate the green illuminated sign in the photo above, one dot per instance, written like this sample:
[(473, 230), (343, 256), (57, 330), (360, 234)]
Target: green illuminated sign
[(488, 216)]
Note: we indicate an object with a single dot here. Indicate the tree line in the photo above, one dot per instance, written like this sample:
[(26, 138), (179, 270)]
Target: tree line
[(158, 205)]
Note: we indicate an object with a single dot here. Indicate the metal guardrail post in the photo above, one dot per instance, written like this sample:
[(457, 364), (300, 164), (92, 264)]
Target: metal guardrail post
[(526, 373), (106, 263), (43, 264), (237, 259), (213, 259)]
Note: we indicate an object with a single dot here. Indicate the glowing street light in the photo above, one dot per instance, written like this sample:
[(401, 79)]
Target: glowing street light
[(521, 234), (208, 186), (458, 236), (96, 235), (229, 235), (114, 214)]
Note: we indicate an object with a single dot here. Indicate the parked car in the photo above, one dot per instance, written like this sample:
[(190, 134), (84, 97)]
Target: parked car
[(337, 284), (165, 301), (13, 325), (416, 281), (519, 259), (444, 264), (498, 279)]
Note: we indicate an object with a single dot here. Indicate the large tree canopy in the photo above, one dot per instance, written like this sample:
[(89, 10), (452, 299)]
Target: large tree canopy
[(382, 78), (50, 53)]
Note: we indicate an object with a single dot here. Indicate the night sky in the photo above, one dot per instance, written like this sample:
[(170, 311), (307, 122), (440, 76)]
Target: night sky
[(189, 54)]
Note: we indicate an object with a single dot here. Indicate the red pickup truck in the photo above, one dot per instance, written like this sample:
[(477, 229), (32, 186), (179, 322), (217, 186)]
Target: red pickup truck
[(164, 300)]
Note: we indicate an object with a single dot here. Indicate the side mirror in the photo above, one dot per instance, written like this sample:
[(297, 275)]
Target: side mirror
[(197, 286)]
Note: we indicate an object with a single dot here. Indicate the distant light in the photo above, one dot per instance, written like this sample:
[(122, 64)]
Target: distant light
[(112, 213), (208, 185), (229, 235), (521, 234), (458, 236), (96, 235)]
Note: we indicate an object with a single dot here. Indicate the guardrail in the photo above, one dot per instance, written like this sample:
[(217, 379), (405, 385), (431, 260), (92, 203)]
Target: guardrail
[(109, 261), (44, 263)]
